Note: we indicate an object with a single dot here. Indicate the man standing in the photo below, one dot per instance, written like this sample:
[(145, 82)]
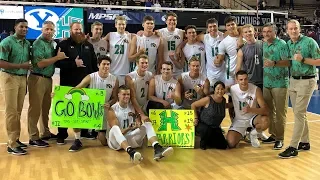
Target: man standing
[(40, 84), (149, 44), (194, 48), (14, 64), (305, 55), (81, 62), (249, 57), (100, 46), (118, 43), (172, 37), (275, 82)]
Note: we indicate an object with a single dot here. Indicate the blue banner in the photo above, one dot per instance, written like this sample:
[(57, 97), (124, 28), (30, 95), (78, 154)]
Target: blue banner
[(132, 17), (62, 17)]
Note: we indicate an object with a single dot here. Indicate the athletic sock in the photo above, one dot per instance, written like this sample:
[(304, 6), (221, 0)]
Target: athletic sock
[(77, 135)]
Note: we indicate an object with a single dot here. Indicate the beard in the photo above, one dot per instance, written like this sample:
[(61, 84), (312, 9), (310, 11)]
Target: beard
[(78, 37)]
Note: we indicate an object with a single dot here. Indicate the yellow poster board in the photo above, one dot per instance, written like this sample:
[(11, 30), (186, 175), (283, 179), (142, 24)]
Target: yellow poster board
[(174, 128)]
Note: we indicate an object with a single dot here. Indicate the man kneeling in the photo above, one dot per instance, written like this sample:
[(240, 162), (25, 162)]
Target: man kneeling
[(250, 111), (127, 132)]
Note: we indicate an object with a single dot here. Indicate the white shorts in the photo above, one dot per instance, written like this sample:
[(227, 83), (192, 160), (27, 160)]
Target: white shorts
[(241, 126), (134, 138), (214, 79), (229, 81)]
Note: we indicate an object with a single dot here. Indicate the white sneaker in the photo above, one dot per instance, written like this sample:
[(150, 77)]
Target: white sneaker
[(262, 136), (254, 138)]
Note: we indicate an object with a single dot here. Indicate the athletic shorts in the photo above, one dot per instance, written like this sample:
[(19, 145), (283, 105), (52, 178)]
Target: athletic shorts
[(241, 126)]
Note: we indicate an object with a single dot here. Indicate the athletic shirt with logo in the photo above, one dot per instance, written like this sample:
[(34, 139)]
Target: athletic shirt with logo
[(241, 99), (141, 86), (171, 41), (122, 115), (100, 47), (228, 47), (100, 83), (119, 49), (188, 85), (165, 88), (211, 45), (151, 45), (197, 50)]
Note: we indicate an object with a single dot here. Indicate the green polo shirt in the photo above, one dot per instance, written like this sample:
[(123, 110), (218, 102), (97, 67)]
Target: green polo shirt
[(308, 48), (43, 49), (276, 77), (14, 50)]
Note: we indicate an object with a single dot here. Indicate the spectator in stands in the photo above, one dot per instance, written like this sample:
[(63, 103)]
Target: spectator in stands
[(3, 35), (282, 3), (149, 3), (157, 5), (291, 5)]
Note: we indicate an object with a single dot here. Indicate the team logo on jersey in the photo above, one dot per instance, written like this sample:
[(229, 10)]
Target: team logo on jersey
[(249, 98), (201, 48), (153, 45), (109, 86), (102, 49), (177, 37), (170, 88), (147, 82), (126, 41)]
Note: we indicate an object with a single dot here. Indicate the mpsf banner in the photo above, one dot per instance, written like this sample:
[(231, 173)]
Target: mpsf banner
[(11, 12), (62, 17), (132, 17)]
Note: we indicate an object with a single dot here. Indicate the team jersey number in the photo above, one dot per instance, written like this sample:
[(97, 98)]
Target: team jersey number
[(242, 105), (125, 123), (119, 49), (171, 45), (194, 93), (142, 93), (214, 51)]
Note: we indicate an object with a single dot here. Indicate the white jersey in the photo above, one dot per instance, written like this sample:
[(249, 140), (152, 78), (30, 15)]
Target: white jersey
[(141, 86), (108, 83), (228, 47), (211, 46), (122, 115), (241, 99), (165, 88), (100, 47), (196, 49), (188, 85), (171, 41), (119, 50), (151, 45)]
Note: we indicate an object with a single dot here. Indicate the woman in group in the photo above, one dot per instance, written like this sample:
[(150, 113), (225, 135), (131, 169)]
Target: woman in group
[(212, 112)]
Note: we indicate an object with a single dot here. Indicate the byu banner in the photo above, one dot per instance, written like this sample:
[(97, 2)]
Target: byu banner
[(132, 17), (62, 17), (11, 12)]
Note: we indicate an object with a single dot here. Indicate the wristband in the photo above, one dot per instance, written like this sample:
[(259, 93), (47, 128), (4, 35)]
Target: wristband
[(303, 60)]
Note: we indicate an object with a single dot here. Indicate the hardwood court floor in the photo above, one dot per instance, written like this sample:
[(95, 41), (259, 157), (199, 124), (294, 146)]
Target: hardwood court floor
[(97, 162)]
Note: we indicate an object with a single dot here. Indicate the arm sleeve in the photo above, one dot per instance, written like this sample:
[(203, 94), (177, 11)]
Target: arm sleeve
[(5, 49), (314, 49)]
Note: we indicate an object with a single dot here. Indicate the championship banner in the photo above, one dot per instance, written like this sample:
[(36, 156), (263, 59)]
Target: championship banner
[(11, 12), (174, 127), (62, 17), (78, 108), (132, 17)]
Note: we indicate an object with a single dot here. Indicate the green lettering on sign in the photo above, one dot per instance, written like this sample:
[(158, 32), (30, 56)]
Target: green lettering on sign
[(78, 108)]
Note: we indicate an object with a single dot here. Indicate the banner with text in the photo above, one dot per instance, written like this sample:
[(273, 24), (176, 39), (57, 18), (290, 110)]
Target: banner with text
[(78, 108), (132, 17), (62, 17), (254, 20), (11, 12), (174, 127)]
